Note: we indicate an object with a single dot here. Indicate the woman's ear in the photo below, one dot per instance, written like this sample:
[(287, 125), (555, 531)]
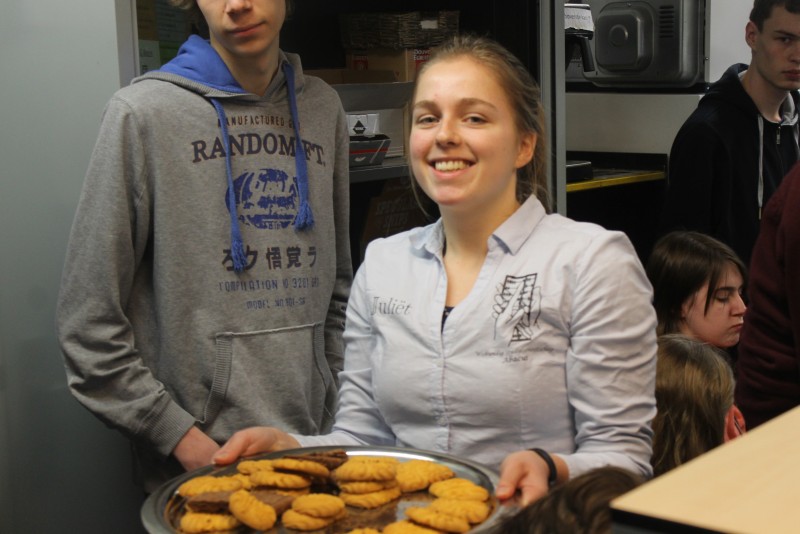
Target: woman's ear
[(734, 423), (527, 147)]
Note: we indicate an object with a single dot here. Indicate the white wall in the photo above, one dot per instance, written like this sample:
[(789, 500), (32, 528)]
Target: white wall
[(61, 470), (726, 35)]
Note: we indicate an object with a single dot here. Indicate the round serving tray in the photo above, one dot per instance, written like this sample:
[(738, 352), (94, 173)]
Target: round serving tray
[(162, 510)]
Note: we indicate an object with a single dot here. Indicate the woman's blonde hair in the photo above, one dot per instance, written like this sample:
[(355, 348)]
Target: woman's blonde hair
[(694, 391), (523, 94)]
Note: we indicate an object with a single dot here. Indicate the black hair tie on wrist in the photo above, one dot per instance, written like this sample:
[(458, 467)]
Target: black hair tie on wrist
[(552, 476)]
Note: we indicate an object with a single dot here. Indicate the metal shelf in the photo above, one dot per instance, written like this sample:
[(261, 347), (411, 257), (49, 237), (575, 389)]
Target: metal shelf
[(390, 168)]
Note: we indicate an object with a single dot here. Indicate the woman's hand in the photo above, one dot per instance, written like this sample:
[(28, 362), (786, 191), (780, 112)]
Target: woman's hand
[(527, 472), (252, 441)]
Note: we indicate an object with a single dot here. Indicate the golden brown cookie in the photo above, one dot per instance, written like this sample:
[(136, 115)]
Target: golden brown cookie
[(318, 505), (305, 467), (459, 488), (248, 467), (364, 531), (251, 511), (473, 511), (195, 523), (407, 527), (366, 487), (244, 479), (208, 483), (427, 516), (416, 475), (279, 480), (363, 469), (371, 500), (296, 520)]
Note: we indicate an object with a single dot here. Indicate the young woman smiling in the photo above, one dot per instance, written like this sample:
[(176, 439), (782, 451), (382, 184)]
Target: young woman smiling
[(526, 341)]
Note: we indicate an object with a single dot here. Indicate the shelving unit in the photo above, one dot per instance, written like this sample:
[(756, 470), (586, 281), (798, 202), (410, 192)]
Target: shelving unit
[(390, 168)]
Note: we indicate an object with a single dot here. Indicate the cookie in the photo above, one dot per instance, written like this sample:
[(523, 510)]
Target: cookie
[(251, 511), (292, 493), (211, 502), (303, 467), (248, 467), (279, 480), (427, 516), (407, 527), (244, 479), (459, 488), (363, 469), (208, 483), (296, 520), (364, 531), (371, 500), (279, 502), (195, 523), (471, 510), (319, 505), (330, 459), (366, 487), (416, 475)]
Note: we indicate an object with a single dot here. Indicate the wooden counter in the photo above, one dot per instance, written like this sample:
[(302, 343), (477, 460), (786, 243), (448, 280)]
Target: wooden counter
[(750, 485)]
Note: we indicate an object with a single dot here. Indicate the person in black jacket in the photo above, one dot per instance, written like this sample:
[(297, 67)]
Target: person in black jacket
[(732, 152)]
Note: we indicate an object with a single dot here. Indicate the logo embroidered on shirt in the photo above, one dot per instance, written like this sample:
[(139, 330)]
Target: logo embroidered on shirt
[(517, 308)]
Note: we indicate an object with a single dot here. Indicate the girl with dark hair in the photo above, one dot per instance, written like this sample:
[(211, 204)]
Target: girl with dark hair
[(698, 283)]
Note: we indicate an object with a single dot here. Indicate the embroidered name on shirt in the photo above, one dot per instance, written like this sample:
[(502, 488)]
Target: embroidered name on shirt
[(390, 306)]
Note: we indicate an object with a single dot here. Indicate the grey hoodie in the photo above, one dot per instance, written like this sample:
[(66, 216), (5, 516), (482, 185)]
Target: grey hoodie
[(159, 328)]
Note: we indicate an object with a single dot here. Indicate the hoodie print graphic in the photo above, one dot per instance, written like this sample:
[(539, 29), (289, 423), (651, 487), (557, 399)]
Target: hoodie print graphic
[(267, 199)]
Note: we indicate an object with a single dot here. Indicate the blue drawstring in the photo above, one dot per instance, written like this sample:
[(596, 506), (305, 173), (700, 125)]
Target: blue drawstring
[(304, 218), (237, 247)]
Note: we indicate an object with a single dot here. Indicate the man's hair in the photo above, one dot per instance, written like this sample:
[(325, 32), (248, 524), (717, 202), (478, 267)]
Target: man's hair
[(694, 392), (762, 9), (579, 506)]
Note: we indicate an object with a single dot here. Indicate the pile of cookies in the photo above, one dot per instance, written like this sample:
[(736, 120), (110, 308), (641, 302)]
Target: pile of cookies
[(311, 492)]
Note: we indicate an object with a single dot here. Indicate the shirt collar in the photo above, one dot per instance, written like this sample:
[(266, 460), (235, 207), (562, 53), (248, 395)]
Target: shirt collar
[(511, 235)]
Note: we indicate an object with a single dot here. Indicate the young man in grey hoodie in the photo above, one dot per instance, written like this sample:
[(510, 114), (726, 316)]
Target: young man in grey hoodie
[(208, 267)]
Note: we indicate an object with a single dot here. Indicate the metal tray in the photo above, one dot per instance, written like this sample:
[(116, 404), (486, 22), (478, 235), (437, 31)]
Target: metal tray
[(162, 510)]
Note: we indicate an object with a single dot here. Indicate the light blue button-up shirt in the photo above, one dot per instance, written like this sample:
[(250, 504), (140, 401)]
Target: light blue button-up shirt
[(554, 347)]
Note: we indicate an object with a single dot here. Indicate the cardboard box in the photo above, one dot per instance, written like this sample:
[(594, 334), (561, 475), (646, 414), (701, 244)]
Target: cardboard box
[(373, 92), (404, 63)]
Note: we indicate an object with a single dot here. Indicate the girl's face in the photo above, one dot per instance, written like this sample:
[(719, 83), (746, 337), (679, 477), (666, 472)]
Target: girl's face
[(722, 323), (464, 144)]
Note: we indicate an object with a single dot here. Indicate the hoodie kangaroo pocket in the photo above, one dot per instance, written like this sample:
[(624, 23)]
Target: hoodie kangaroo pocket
[(274, 377)]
